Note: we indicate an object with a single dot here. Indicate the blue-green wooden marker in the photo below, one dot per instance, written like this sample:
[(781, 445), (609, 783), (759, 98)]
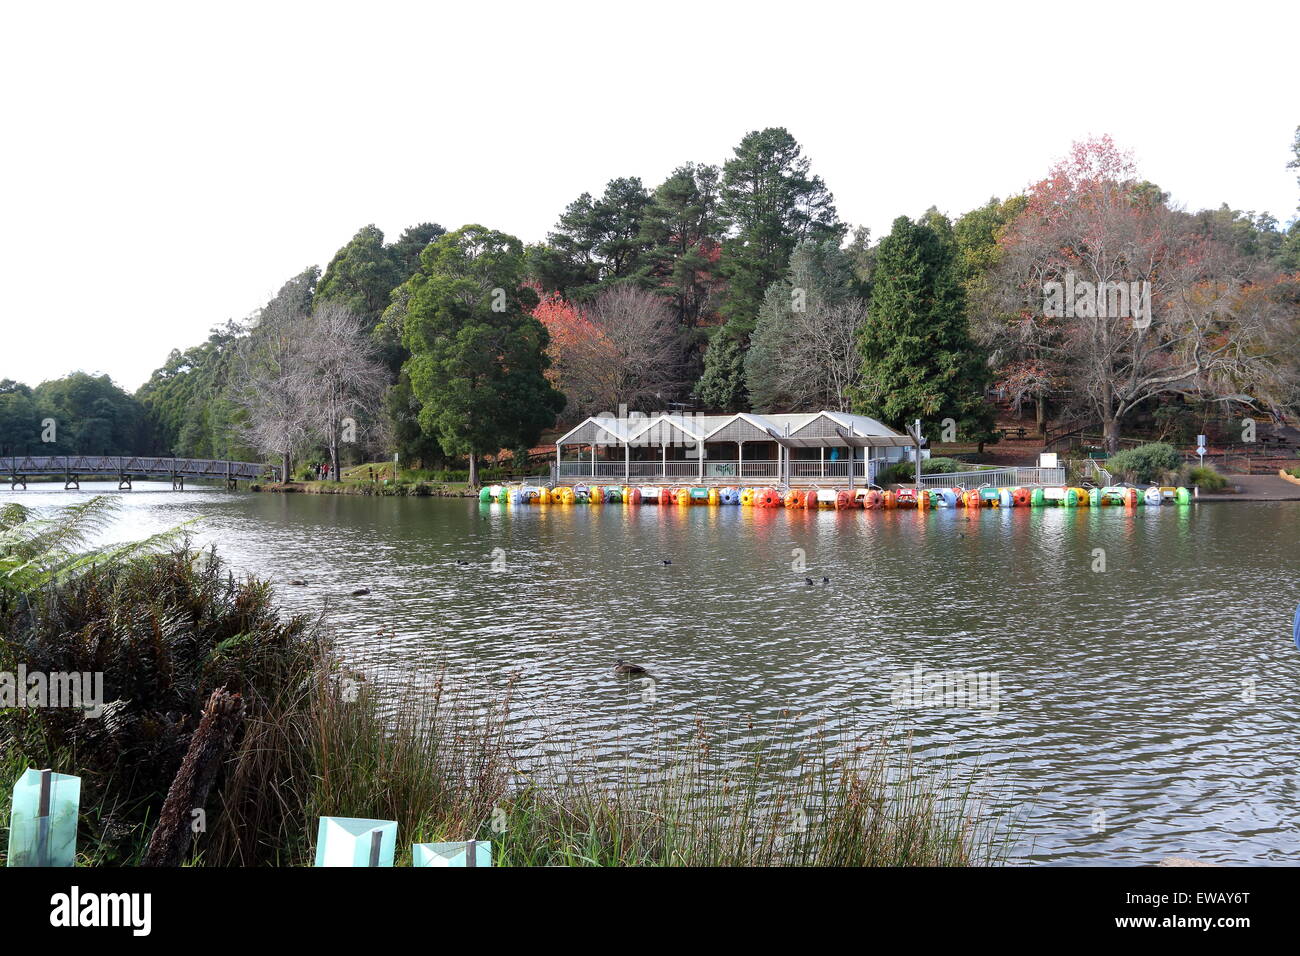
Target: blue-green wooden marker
[(348, 841), (43, 819), (472, 853)]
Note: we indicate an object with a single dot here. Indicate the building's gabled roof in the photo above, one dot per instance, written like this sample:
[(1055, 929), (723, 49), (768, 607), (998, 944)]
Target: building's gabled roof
[(598, 430), (731, 427), (824, 422), (658, 428)]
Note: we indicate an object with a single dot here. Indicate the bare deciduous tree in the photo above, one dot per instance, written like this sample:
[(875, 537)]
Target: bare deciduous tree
[(342, 382), (631, 352), (806, 358), (271, 363), (821, 367)]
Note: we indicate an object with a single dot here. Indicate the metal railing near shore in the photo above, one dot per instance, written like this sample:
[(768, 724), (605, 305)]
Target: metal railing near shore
[(1096, 474), (716, 471), (831, 469)]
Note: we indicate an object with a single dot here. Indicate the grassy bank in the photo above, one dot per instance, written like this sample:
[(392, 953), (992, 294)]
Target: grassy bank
[(380, 478), (167, 625), (414, 489)]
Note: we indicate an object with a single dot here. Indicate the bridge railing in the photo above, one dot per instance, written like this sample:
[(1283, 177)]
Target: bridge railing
[(136, 465)]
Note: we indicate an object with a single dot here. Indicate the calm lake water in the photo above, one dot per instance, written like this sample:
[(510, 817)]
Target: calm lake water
[(1147, 709)]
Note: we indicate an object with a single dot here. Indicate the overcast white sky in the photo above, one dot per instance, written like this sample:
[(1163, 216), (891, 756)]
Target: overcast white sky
[(165, 167)]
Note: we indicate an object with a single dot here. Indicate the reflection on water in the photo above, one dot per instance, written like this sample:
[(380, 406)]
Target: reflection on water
[(1148, 709)]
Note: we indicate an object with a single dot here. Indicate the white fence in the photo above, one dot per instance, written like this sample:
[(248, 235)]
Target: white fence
[(996, 478)]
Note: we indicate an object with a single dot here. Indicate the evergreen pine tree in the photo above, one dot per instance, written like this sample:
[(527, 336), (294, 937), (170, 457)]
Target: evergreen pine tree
[(918, 357)]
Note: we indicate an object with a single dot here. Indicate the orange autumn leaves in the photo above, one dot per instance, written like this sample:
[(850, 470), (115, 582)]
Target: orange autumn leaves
[(579, 349)]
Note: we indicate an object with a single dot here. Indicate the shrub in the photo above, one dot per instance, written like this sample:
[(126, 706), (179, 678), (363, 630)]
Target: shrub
[(1145, 463), (164, 631), (1206, 478)]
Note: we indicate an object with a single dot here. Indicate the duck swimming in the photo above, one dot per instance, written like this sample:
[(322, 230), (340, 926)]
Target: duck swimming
[(624, 669)]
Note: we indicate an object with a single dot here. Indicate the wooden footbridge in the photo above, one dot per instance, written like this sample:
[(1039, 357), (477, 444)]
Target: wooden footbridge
[(126, 468)]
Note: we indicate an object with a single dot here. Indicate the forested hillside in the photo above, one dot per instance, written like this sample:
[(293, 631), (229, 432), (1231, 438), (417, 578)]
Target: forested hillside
[(727, 286)]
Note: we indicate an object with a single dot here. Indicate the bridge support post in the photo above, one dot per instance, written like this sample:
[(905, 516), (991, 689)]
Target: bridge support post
[(72, 482), (178, 482), (124, 483), (16, 480)]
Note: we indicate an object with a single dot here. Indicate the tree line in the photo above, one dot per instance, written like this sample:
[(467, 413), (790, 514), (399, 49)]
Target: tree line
[(725, 287)]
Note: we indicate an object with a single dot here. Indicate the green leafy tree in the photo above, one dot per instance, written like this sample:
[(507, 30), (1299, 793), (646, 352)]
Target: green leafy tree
[(20, 425), (1251, 235), (413, 241), (478, 357), (862, 254), (92, 416), (597, 242), (722, 385), (362, 276), (368, 278), (683, 228), (918, 358), (772, 201), (186, 401)]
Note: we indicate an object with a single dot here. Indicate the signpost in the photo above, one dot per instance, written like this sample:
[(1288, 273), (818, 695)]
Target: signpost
[(1200, 447)]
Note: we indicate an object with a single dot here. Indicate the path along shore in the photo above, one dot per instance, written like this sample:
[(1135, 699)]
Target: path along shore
[(1256, 488)]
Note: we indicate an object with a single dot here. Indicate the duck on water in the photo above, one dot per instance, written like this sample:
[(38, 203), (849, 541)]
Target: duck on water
[(623, 669)]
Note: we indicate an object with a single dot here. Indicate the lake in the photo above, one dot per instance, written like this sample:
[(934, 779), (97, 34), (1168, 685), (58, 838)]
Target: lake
[(1142, 710)]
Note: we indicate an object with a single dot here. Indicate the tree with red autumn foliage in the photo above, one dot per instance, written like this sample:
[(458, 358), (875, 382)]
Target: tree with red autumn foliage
[(1091, 233), (624, 348)]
